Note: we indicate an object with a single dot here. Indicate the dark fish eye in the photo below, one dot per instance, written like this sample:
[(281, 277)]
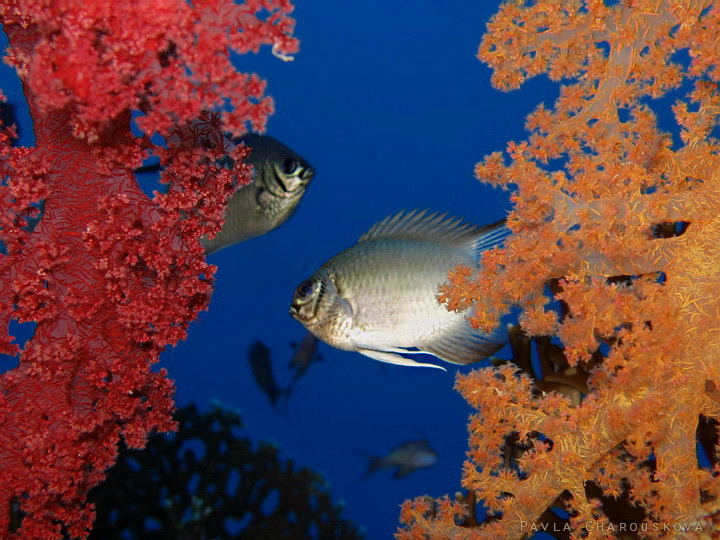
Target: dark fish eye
[(305, 289), (290, 166)]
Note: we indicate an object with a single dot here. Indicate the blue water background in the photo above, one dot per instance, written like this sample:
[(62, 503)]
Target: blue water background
[(389, 103)]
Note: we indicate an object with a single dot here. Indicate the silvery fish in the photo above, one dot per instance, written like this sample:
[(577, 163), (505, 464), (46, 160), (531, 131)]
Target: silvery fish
[(405, 458), (379, 296), (281, 178)]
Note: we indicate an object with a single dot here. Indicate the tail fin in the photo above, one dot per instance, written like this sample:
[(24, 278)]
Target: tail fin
[(374, 463), (282, 401)]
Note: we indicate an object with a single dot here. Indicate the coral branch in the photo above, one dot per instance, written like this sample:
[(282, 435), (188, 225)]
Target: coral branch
[(108, 276), (626, 232)]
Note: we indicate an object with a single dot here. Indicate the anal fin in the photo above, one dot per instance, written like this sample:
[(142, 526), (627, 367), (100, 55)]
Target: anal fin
[(466, 347)]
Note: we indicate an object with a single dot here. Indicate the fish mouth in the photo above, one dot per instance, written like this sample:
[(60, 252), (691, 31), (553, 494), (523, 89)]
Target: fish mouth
[(295, 312), (299, 313)]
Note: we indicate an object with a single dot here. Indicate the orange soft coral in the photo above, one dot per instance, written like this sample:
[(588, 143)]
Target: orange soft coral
[(635, 432)]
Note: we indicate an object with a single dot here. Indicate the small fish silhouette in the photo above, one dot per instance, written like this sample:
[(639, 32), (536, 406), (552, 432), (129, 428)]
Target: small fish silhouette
[(261, 365), (305, 354), (406, 457)]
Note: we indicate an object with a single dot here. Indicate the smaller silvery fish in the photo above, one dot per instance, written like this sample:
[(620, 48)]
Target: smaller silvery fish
[(281, 178), (261, 366), (379, 296), (405, 458)]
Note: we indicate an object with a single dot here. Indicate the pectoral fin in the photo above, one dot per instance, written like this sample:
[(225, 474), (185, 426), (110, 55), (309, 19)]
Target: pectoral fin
[(264, 198)]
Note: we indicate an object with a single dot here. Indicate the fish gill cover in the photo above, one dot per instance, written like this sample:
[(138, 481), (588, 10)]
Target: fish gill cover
[(109, 276)]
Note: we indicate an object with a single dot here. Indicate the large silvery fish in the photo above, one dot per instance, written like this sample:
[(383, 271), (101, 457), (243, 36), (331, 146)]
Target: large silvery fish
[(379, 297), (281, 178)]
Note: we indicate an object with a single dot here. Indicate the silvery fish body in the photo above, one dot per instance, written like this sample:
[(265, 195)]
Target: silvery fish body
[(281, 178), (405, 458), (379, 296)]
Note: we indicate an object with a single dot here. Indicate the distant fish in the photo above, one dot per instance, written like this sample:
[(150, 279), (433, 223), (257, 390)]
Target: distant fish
[(281, 178), (379, 296), (259, 356), (305, 354), (405, 458)]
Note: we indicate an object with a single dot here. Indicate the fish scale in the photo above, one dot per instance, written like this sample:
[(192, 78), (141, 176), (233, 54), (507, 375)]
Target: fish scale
[(391, 283)]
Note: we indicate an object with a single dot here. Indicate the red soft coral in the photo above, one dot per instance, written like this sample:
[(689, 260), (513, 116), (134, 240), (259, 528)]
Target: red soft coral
[(108, 276)]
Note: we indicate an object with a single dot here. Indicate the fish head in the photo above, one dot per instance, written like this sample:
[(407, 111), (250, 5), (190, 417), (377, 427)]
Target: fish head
[(319, 306), (280, 171), (292, 176)]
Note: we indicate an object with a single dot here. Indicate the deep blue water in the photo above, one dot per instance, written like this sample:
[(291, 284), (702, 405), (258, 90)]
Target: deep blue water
[(391, 107)]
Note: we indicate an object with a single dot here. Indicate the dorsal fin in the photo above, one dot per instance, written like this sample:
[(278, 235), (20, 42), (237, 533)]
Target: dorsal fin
[(438, 227)]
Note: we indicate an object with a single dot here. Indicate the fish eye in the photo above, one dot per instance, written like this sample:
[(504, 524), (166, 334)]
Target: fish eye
[(305, 289), (290, 166)]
